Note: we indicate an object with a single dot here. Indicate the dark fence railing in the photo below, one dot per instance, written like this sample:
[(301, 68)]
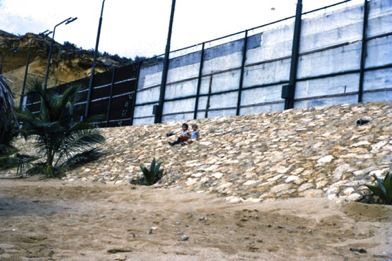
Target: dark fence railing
[(114, 92), (112, 98)]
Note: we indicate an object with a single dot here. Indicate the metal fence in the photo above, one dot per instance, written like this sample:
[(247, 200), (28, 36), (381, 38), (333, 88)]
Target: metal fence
[(112, 98), (213, 88)]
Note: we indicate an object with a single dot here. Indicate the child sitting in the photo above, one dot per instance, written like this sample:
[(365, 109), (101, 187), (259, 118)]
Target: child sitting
[(195, 135), (183, 137)]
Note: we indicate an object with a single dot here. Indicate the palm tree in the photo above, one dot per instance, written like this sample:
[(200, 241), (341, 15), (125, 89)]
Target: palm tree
[(9, 130), (6, 101), (9, 156), (61, 139)]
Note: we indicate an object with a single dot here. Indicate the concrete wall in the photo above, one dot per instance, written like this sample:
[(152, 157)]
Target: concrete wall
[(328, 68)]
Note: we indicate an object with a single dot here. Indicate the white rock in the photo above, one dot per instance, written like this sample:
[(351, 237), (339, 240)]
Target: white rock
[(378, 173), (376, 147), (321, 184), (313, 193), (190, 181), (281, 169), (252, 200), (354, 197), (364, 171), (204, 180), (291, 178), (325, 159), (340, 170), (348, 191), (280, 188), (234, 200), (332, 196), (212, 168), (285, 192), (360, 144), (217, 175), (297, 171), (197, 175), (305, 186), (275, 178), (250, 182)]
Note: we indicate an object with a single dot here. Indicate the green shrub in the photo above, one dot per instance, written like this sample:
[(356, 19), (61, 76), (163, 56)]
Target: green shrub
[(152, 174), (57, 134), (383, 189), (9, 158), (47, 171)]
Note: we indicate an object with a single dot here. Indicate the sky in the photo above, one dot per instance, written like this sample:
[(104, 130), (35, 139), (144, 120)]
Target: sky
[(139, 27)]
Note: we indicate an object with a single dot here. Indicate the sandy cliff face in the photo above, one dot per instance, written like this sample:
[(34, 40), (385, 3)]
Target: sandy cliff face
[(69, 63)]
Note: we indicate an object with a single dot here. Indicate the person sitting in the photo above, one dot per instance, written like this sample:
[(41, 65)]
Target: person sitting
[(183, 137), (195, 134)]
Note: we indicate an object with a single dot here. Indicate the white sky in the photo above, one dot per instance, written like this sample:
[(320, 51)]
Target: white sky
[(139, 27)]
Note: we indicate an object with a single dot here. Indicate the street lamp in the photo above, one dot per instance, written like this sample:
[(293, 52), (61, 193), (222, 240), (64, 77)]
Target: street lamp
[(90, 84), (16, 49), (159, 112), (66, 21), (44, 34)]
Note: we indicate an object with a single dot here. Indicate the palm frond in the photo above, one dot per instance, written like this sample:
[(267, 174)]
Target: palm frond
[(82, 158), (57, 135), (6, 100), (16, 161)]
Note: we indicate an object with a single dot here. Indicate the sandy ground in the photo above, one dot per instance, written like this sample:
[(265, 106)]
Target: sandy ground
[(57, 220)]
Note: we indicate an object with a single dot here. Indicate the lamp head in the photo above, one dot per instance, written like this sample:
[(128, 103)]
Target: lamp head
[(45, 33), (71, 20)]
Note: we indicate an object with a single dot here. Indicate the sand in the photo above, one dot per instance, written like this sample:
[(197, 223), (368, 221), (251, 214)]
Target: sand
[(61, 220)]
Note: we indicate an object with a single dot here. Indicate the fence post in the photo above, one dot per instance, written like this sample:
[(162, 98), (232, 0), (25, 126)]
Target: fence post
[(289, 99), (199, 81), (158, 115), (139, 65), (91, 82), (110, 97), (242, 73), (208, 97), (363, 50)]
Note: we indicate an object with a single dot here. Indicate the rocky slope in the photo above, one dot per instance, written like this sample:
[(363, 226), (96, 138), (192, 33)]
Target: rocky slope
[(69, 63), (316, 152)]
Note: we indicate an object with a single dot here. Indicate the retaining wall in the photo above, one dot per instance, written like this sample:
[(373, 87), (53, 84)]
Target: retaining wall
[(219, 78)]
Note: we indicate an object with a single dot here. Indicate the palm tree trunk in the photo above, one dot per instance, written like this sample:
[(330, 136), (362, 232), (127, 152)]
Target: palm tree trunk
[(49, 158)]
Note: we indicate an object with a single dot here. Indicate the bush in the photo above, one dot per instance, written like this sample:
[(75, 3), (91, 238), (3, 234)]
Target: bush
[(383, 189), (151, 175), (56, 133), (9, 158)]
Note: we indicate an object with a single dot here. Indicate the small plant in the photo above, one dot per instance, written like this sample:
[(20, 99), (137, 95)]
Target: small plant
[(151, 175), (9, 156), (57, 134), (383, 189)]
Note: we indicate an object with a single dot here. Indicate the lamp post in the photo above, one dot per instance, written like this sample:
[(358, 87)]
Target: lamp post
[(90, 84), (16, 49), (66, 21), (45, 33), (159, 111)]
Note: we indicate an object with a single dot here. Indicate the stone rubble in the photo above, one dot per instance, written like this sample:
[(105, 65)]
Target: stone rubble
[(314, 152)]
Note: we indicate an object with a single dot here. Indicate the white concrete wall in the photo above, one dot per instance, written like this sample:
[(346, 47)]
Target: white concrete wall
[(331, 42)]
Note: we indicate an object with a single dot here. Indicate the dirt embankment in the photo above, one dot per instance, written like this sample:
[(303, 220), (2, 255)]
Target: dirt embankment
[(58, 220)]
